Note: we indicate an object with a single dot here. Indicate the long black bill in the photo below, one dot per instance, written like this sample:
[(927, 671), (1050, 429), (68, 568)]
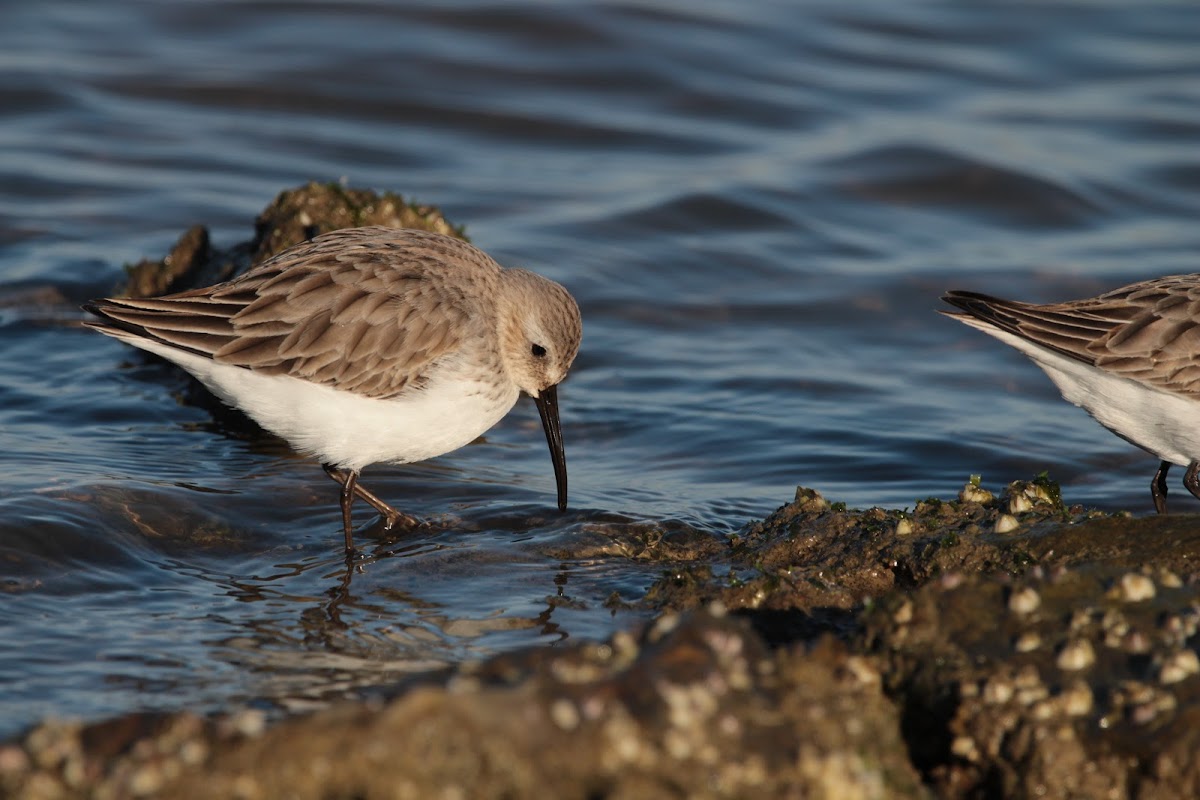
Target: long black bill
[(547, 405)]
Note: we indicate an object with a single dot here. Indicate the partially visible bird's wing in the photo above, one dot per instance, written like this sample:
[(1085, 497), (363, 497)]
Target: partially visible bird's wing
[(367, 309), (1148, 332)]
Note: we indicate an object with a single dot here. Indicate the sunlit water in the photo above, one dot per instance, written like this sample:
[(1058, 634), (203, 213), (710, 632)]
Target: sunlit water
[(756, 204)]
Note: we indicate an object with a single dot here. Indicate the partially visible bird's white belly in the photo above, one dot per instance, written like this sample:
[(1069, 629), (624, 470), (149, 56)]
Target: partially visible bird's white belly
[(1165, 424), (350, 430)]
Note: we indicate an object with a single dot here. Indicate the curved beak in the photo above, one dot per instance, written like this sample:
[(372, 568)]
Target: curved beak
[(547, 405)]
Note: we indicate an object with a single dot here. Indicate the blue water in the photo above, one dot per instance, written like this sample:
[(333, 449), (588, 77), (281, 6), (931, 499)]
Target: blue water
[(756, 204)]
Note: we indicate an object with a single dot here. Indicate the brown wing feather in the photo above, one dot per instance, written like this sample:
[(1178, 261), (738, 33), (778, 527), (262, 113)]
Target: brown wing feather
[(366, 309), (1161, 344), (1148, 332)]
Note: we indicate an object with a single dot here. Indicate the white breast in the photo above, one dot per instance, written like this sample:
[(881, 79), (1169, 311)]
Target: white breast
[(349, 430)]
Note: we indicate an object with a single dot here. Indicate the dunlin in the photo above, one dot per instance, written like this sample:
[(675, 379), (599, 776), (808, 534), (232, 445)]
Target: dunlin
[(1130, 358), (369, 345)]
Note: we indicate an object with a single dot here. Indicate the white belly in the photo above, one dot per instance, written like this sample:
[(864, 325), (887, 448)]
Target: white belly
[(1165, 424), (349, 430)]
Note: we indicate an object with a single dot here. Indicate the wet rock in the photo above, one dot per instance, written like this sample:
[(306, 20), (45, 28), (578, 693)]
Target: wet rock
[(814, 554), (1070, 718), (317, 208), (1016, 654), (694, 706), (190, 260), (634, 540)]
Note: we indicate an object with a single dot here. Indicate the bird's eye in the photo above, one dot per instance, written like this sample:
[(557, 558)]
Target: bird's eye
[(538, 351)]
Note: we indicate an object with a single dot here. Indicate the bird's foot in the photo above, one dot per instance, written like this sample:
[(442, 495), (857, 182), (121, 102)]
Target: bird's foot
[(393, 520)]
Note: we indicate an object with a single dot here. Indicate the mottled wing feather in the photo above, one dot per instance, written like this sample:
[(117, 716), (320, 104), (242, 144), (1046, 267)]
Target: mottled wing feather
[(1148, 332), (1160, 345), (367, 310)]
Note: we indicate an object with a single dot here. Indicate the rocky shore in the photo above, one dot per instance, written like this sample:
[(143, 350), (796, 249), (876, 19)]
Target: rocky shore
[(990, 645)]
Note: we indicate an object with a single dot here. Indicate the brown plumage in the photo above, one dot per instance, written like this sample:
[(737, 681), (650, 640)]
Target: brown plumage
[(334, 310), (1148, 332)]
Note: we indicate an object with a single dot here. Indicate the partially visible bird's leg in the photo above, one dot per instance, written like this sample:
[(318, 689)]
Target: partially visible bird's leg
[(349, 481), (391, 516), (1191, 479), (1158, 486)]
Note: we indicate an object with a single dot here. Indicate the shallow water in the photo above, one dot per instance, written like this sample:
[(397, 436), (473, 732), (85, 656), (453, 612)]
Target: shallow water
[(756, 205)]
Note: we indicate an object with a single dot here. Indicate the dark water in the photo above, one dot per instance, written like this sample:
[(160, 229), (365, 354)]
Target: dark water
[(756, 204)]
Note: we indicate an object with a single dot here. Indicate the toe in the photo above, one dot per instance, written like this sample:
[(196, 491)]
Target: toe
[(399, 520)]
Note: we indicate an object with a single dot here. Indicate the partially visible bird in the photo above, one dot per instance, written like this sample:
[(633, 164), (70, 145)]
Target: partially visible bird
[(1130, 358)]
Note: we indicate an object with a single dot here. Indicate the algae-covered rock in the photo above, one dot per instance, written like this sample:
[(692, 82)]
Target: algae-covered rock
[(180, 269), (813, 554), (316, 208), (1056, 683)]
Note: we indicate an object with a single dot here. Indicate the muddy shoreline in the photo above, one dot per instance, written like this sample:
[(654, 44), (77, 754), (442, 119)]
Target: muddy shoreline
[(996, 644)]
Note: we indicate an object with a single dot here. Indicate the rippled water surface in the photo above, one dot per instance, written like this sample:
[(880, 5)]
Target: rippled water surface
[(757, 205)]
